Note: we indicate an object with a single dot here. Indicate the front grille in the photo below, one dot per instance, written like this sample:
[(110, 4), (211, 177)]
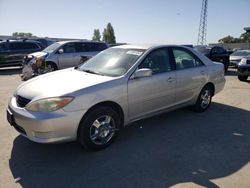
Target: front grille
[(21, 101), (248, 61)]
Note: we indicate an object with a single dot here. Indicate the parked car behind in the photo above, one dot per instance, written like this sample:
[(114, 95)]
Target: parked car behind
[(66, 54), (236, 57), (120, 85), (244, 68), (44, 42), (12, 52), (217, 54)]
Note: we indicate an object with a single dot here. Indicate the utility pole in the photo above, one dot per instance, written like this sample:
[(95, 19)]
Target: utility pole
[(202, 34)]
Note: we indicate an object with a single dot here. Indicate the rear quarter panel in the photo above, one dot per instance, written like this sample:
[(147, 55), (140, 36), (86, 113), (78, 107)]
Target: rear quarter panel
[(216, 76)]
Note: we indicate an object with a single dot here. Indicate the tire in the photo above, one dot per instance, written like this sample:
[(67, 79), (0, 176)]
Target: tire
[(99, 128), (242, 78), (50, 66), (204, 99)]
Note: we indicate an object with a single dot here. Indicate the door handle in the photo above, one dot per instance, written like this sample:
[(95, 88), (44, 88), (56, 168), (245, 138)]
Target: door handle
[(202, 72)]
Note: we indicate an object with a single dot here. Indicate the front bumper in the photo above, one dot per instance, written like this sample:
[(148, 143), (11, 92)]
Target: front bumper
[(44, 127), (244, 70)]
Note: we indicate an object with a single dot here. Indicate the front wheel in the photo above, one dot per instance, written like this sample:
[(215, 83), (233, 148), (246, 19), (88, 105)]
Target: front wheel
[(99, 128), (204, 99), (50, 67), (242, 78)]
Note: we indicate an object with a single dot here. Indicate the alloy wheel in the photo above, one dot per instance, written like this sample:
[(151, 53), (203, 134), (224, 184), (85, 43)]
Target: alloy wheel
[(102, 130)]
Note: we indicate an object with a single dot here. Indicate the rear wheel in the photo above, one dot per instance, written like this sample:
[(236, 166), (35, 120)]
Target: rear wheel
[(242, 78), (204, 99), (99, 128)]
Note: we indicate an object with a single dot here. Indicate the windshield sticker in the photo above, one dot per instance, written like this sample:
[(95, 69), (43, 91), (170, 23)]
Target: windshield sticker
[(137, 53)]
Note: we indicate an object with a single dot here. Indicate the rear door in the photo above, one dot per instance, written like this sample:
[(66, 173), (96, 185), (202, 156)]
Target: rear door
[(150, 94), (191, 74)]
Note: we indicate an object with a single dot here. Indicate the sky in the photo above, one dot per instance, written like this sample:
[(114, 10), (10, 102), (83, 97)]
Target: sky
[(134, 21)]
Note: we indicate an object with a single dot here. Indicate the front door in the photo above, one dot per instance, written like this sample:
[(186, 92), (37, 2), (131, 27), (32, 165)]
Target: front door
[(150, 94), (69, 57)]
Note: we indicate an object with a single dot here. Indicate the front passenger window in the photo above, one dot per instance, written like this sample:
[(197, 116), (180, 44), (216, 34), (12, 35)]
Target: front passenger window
[(158, 61), (69, 48)]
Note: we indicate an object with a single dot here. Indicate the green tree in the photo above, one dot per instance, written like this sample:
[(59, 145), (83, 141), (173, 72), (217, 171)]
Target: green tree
[(227, 39), (104, 35), (22, 34), (245, 37), (97, 35), (108, 34)]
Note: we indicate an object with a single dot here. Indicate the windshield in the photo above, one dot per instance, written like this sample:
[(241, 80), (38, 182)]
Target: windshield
[(112, 62), (52, 47), (241, 53)]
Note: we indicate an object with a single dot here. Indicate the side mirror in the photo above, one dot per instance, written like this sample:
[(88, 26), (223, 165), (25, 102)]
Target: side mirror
[(140, 73), (60, 51)]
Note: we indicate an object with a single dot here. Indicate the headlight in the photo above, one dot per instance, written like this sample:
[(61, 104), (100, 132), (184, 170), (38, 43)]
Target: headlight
[(48, 104), (243, 61)]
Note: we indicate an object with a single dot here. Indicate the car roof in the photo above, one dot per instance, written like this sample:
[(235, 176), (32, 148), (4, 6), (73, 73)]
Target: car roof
[(147, 46), (86, 41), (19, 41)]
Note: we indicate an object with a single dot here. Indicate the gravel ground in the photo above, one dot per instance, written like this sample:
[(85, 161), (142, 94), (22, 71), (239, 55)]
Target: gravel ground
[(179, 149)]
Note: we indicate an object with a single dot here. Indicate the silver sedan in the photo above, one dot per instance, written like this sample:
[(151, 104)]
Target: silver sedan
[(123, 84)]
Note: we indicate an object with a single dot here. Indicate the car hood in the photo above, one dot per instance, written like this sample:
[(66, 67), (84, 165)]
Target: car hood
[(38, 54), (236, 58), (59, 83)]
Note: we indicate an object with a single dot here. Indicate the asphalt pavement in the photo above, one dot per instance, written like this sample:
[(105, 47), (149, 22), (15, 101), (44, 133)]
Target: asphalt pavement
[(177, 149)]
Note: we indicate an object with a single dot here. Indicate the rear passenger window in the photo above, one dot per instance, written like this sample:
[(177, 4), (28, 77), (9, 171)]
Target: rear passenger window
[(100, 46), (15, 46), (185, 60), (29, 46), (80, 47), (90, 47)]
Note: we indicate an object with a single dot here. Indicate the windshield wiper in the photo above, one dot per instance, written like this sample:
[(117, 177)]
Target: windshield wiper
[(92, 72)]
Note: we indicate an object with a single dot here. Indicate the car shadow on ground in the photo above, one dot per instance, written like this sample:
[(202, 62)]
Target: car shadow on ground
[(176, 147), (10, 71)]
